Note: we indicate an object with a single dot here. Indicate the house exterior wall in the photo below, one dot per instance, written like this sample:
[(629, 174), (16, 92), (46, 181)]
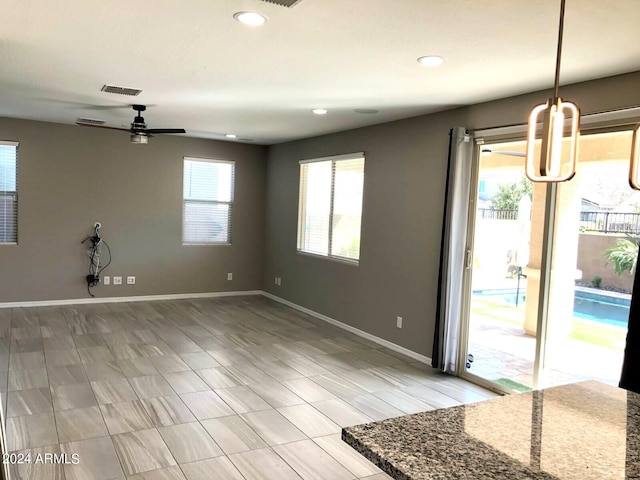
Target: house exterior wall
[(593, 262)]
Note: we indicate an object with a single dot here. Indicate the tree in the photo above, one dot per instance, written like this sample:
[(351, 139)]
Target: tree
[(509, 194), (624, 255)]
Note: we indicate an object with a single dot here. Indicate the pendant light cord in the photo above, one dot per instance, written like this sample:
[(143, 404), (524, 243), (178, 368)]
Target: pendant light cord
[(556, 84)]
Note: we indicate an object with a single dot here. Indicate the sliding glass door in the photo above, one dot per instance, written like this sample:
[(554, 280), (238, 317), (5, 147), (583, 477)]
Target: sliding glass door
[(548, 288)]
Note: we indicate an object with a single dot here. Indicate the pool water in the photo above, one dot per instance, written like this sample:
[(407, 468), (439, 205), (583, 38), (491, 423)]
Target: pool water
[(586, 305)]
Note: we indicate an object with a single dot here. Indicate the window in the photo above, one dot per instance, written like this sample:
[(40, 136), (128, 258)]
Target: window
[(208, 201), (330, 210), (8, 192)]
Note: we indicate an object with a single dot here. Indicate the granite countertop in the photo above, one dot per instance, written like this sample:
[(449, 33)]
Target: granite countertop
[(586, 431)]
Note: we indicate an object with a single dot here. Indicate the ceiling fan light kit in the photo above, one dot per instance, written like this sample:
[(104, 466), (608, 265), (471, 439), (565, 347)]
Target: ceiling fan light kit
[(550, 166), (139, 139)]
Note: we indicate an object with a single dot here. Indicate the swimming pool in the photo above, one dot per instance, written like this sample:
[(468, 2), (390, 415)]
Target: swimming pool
[(586, 305)]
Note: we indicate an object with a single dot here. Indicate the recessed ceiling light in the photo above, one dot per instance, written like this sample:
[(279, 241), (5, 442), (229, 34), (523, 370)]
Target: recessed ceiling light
[(431, 60), (231, 135), (252, 19), (366, 110), (319, 111)]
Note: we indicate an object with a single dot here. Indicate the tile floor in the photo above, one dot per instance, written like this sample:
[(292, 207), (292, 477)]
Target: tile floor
[(206, 389)]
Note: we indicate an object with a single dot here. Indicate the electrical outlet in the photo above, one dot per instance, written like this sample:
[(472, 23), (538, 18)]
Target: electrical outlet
[(117, 280), (229, 276), (106, 280), (399, 322), (131, 280), (277, 281)]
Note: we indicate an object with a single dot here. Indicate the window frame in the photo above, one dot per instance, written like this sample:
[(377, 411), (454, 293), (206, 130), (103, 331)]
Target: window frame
[(14, 193), (302, 212), (230, 203)]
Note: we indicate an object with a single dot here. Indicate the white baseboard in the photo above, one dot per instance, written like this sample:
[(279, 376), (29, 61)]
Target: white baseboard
[(361, 333), (181, 296), (141, 298)]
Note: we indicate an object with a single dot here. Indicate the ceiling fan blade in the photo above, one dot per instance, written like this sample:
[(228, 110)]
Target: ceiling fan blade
[(165, 130), (103, 126)]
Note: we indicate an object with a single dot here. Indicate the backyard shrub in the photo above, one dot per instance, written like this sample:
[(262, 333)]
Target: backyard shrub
[(623, 255)]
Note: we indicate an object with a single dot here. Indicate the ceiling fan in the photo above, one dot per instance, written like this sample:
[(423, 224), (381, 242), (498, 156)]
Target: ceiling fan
[(139, 132)]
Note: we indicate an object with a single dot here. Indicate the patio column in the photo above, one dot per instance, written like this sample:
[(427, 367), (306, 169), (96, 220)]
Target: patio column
[(565, 256)]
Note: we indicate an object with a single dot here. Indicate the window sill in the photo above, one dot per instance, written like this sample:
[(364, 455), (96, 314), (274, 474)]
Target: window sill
[(345, 261), (206, 244)]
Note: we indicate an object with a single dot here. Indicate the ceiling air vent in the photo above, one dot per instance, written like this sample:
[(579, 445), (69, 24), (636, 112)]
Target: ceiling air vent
[(90, 121), (284, 3), (132, 92)]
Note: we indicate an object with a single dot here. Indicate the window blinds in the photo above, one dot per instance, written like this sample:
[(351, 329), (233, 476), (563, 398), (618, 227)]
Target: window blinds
[(330, 207), (8, 192), (208, 198)]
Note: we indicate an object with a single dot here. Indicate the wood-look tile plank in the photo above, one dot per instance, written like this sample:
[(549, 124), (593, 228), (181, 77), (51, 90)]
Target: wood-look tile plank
[(309, 420), (169, 473), (98, 460), (166, 411), (125, 417), (273, 427), (338, 385), (206, 405), (113, 391), (341, 412), (247, 373), (218, 377), (373, 407), (263, 464), (276, 394), (142, 451), (66, 375), (103, 371), (98, 354), (29, 402), (199, 446), (71, 396), (308, 390), (349, 458), (218, 468), (37, 470), (403, 401), (26, 361), (169, 364), (137, 367), (186, 382), (233, 434), (59, 358), (31, 431), (199, 360), (28, 379), (311, 462), (242, 399), (80, 424), (151, 386)]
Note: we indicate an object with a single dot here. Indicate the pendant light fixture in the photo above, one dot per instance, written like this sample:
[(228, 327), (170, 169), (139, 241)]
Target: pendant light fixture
[(550, 165), (634, 169)]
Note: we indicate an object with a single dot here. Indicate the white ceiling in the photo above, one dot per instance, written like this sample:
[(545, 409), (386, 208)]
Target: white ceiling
[(202, 70)]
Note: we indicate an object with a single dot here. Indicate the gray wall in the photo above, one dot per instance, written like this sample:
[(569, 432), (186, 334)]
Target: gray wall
[(70, 177), (405, 177)]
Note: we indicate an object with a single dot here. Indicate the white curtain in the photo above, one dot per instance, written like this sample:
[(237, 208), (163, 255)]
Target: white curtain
[(453, 251)]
